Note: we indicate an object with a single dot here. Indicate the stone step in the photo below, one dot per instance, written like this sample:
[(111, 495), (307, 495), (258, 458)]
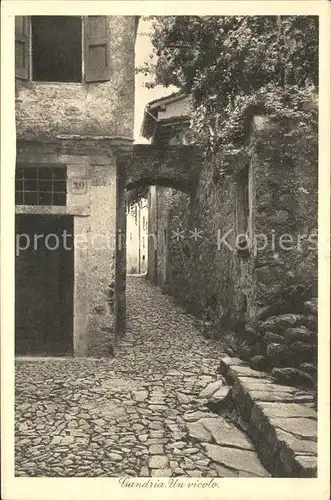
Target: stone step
[(280, 420)]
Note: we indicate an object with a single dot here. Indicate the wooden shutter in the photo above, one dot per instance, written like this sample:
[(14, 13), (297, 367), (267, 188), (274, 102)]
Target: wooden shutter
[(22, 47), (97, 68), (136, 25)]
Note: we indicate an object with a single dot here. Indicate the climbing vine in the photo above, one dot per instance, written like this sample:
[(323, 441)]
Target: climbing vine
[(237, 66), (294, 109)]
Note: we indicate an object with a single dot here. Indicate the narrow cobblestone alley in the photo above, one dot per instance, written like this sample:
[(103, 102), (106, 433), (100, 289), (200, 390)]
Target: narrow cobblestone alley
[(142, 413)]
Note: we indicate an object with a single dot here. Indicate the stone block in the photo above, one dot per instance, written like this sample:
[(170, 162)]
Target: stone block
[(287, 410), (294, 443), (140, 395), (306, 350), (266, 386), (226, 433), (221, 397), (158, 462), (242, 399), (197, 431), (274, 439), (241, 460), (301, 427), (276, 324), (273, 338), (226, 362), (289, 375), (156, 449), (272, 396), (161, 473), (301, 334), (311, 306), (282, 355), (264, 312), (195, 415), (252, 332), (306, 465), (310, 321), (309, 368), (223, 471), (235, 371), (183, 398), (208, 391)]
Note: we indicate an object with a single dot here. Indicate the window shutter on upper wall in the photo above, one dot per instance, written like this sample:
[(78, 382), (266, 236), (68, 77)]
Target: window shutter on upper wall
[(97, 67), (22, 47)]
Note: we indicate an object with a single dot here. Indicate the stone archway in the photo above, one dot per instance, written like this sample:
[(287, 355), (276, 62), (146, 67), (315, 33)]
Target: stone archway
[(177, 167)]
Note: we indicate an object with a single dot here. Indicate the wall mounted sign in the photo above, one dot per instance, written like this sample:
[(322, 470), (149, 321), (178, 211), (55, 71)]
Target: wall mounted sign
[(78, 185)]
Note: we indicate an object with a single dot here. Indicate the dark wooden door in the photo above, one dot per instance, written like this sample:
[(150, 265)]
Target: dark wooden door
[(44, 277)]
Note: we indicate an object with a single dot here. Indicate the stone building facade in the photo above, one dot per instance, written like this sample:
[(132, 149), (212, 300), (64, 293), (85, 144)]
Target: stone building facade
[(74, 117), (137, 238)]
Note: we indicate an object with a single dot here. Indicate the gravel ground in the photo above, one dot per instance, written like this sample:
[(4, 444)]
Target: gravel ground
[(141, 413)]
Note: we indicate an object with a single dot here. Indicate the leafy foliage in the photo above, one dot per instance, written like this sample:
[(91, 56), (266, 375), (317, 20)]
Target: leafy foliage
[(134, 196), (233, 65)]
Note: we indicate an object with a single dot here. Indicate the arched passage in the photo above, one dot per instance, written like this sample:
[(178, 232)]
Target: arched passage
[(176, 167), (159, 180)]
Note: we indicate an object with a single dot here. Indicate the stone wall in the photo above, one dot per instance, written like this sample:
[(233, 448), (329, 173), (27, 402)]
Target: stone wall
[(94, 236), (176, 166), (136, 238), (285, 211), (101, 258), (132, 242), (161, 200), (152, 235), (99, 109), (90, 123), (205, 274), (235, 286), (282, 331)]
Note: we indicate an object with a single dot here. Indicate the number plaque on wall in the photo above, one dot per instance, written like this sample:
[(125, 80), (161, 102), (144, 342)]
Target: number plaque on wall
[(78, 185)]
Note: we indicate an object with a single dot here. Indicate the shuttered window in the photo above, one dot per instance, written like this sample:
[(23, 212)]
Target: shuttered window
[(97, 67), (57, 49), (22, 47)]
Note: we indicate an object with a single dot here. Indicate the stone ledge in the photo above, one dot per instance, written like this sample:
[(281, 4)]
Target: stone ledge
[(279, 419)]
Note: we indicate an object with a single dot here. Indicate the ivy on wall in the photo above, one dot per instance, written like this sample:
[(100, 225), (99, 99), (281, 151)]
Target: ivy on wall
[(237, 66)]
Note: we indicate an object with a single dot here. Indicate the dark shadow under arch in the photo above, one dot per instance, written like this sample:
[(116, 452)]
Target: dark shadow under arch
[(178, 184)]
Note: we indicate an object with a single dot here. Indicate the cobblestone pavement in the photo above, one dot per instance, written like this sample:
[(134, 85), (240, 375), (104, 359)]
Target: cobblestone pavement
[(142, 413)]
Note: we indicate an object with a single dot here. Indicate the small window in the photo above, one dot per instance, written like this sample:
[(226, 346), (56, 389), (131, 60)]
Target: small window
[(41, 186), (56, 48), (243, 201), (55, 44), (144, 223)]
